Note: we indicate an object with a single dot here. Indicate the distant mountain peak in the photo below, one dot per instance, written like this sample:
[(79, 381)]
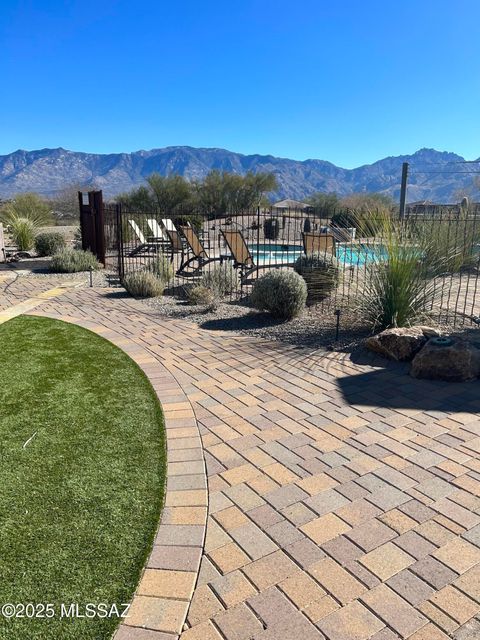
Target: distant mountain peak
[(48, 171)]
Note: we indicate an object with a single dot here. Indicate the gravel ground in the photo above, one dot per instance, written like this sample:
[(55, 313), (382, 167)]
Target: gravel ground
[(314, 328)]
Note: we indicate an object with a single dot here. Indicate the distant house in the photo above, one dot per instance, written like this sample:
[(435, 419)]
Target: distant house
[(426, 207), (290, 204)]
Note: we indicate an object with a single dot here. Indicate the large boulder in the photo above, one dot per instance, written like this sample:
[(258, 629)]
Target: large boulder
[(451, 359), (400, 343)]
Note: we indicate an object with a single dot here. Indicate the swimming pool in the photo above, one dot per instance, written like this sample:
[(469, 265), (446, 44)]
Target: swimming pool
[(348, 255)]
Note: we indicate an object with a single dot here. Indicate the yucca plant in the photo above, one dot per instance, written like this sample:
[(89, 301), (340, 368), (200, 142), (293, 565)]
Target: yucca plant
[(401, 289), (22, 232)]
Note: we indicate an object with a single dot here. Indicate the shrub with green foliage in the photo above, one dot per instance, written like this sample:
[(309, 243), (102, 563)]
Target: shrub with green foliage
[(201, 295), (222, 279), (143, 284), (22, 231), (73, 261), (47, 244), (281, 293), (161, 267), (321, 273)]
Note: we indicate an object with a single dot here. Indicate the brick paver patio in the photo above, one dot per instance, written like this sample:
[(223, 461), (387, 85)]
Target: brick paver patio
[(343, 497)]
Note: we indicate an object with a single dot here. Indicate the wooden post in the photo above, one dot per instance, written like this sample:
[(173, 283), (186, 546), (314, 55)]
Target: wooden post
[(403, 189)]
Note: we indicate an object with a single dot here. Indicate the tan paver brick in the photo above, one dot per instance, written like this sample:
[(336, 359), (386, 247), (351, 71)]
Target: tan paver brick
[(165, 583), (203, 631), (325, 528), (229, 557), (157, 613), (233, 588), (386, 561), (458, 554), (455, 604), (301, 589), (240, 474), (429, 632), (270, 570), (353, 622), (204, 605), (396, 612), (238, 623), (336, 580), (230, 518), (321, 608)]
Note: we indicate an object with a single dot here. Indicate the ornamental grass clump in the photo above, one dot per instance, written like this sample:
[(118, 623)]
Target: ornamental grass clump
[(201, 296), (48, 244), (281, 293), (22, 232), (143, 284), (401, 289), (321, 272), (161, 267), (73, 261), (222, 279)]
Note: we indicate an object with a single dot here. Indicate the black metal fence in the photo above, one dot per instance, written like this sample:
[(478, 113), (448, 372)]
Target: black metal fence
[(254, 242)]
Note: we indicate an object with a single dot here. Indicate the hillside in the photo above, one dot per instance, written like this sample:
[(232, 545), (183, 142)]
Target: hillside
[(47, 171)]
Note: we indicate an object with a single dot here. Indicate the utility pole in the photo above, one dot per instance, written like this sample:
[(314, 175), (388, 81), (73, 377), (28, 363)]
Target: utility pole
[(403, 189)]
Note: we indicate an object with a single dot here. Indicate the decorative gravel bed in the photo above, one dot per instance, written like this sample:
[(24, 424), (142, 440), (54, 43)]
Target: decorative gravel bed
[(314, 328)]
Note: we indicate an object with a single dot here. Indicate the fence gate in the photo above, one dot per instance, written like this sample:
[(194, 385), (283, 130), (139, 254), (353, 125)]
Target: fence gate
[(91, 223)]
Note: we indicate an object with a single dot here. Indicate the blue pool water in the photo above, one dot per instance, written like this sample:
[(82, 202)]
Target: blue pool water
[(357, 254)]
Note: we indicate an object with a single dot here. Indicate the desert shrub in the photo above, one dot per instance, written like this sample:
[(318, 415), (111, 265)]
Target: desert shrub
[(281, 293), (22, 231), (321, 273), (143, 284), (73, 261), (47, 244), (271, 228), (161, 267), (367, 222), (201, 295), (27, 206), (222, 279), (401, 289)]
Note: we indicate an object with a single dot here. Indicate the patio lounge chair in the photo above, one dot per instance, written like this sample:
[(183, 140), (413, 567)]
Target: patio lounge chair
[(199, 254), (146, 244), (171, 239), (318, 243), (243, 258)]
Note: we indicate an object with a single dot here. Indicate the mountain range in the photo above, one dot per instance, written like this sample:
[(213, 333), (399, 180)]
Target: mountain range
[(437, 176)]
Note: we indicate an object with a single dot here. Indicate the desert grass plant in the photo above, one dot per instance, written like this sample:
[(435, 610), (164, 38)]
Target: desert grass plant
[(203, 296), (143, 284), (161, 267), (222, 279), (281, 293), (48, 244), (73, 261), (22, 232), (401, 289)]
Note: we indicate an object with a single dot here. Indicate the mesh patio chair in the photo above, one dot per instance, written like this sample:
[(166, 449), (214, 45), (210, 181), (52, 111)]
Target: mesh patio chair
[(198, 251), (146, 245), (318, 243)]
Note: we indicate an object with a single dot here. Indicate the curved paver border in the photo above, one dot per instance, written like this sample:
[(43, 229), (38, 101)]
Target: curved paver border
[(160, 604)]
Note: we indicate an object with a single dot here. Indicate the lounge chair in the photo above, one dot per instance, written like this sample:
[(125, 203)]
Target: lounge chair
[(243, 258), (171, 240), (202, 234), (318, 243), (200, 255), (146, 244)]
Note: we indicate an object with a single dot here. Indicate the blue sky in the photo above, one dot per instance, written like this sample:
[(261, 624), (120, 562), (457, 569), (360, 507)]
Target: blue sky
[(347, 81)]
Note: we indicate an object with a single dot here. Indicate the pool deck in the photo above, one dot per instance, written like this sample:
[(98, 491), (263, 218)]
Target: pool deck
[(343, 496)]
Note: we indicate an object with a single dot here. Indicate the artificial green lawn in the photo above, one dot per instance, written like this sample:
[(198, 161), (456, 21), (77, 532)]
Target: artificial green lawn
[(79, 504)]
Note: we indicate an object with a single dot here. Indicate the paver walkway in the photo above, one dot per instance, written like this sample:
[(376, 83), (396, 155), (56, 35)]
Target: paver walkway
[(344, 498)]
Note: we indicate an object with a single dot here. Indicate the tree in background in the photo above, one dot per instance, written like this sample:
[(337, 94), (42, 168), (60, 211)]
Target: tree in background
[(368, 202), (222, 192), (325, 204)]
